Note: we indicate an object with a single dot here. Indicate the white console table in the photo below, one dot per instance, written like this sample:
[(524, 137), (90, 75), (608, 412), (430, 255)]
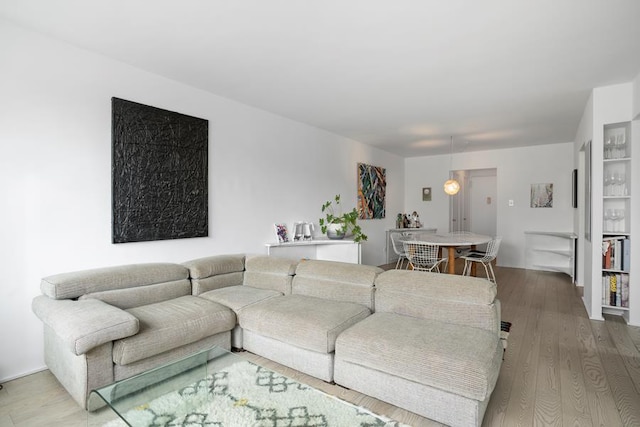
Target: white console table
[(344, 250), (551, 251)]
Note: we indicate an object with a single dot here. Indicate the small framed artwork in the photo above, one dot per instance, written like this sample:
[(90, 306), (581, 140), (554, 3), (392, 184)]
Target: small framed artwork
[(541, 195), (282, 235), (426, 194)]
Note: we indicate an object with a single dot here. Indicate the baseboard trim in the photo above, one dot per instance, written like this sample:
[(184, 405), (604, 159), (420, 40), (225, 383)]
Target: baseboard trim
[(25, 374)]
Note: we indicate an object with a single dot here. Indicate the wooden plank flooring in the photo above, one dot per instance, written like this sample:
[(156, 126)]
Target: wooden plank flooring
[(560, 368)]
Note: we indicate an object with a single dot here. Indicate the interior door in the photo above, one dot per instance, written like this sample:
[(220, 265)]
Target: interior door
[(475, 207), (483, 211)]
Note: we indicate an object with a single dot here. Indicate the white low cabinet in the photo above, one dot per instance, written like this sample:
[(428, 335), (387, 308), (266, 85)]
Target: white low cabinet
[(325, 249)]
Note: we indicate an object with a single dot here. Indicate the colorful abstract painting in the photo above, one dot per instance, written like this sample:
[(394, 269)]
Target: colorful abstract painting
[(372, 187)]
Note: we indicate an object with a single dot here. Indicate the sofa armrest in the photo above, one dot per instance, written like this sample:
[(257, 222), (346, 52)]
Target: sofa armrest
[(83, 325)]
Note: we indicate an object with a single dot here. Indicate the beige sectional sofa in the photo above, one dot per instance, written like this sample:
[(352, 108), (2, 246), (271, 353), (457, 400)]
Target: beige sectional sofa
[(426, 342)]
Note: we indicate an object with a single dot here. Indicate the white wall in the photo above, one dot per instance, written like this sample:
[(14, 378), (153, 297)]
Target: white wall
[(517, 169), (55, 176), (636, 98)]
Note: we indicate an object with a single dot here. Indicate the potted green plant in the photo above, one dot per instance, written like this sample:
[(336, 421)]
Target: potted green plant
[(338, 225)]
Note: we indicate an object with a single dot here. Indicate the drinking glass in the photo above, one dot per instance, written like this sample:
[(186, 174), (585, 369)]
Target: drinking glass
[(608, 146), (621, 182), (607, 219), (621, 146), (613, 180), (613, 216), (620, 218)]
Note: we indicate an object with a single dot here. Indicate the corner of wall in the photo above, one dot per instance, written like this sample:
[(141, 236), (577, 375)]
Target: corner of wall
[(636, 98)]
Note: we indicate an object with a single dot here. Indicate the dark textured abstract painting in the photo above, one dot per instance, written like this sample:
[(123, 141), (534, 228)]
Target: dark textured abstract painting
[(372, 187), (159, 173)]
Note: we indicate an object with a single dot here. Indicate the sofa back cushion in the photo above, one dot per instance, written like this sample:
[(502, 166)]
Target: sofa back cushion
[(337, 281), (99, 280), (446, 298), (142, 295), (270, 273), (215, 272)]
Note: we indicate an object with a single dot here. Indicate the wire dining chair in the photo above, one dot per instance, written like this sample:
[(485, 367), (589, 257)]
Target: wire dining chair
[(485, 259), (398, 248), (423, 256)]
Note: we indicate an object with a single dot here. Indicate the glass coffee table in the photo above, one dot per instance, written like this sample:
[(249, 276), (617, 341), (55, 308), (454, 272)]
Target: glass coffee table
[(218, 388)]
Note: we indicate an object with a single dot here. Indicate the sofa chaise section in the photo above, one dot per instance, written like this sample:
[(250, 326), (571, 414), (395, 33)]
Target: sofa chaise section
[(299, 330), (107, 324), (431, 347)]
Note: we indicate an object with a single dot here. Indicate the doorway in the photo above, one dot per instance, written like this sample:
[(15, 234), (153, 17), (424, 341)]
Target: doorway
[(475, 207)]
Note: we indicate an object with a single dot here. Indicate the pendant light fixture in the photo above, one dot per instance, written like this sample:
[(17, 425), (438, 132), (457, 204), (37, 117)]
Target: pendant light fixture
[(451, 186)]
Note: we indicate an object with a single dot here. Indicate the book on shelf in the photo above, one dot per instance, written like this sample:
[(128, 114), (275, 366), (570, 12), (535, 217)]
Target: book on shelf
[(626, 254), (614, 251), (624, 292), (615, 289)]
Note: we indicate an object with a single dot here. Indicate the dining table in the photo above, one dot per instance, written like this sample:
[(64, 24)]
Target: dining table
[(451, 241)]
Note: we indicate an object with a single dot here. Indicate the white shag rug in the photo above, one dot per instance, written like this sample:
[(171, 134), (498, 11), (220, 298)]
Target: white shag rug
[(245, 394)]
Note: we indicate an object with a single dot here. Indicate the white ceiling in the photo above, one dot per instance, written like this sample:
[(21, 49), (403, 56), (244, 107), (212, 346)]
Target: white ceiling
[(401, 75)]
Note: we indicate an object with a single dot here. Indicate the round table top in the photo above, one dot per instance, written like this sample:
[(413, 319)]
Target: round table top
[(450, 239)]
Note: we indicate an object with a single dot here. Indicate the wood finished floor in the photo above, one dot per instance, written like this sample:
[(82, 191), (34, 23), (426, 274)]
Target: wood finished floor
[(560, 368)]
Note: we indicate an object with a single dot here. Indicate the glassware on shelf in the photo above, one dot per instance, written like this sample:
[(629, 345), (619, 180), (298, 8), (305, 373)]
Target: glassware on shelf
[(620, 218), (612, 182), (615, 184), (613, 217), (621, 146), (608, 146), (606, 226), (621, 183)]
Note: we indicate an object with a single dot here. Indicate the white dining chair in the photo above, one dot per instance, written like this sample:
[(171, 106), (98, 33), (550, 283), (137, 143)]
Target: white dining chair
[(484, 258), (398, 248), (423, 256)]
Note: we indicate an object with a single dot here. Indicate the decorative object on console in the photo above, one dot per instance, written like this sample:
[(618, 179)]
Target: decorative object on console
[(337, 226), (541, 195), (451, 186), (302, 231), (372, 184), (414, 220), (281, 233), (159, 174)]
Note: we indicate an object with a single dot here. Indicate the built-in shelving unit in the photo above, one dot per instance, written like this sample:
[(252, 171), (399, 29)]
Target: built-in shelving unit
[(616, 212), (551, 251)]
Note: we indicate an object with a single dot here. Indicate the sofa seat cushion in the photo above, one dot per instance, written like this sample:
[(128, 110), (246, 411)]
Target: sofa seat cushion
[(171, 324), (239, 297), (458, 359), (307, 322)]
